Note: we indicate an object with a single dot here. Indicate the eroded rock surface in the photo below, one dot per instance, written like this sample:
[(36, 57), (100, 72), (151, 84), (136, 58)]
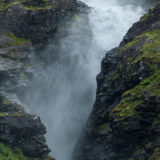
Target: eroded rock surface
[(124, 123), (24, 26), (34, 20)]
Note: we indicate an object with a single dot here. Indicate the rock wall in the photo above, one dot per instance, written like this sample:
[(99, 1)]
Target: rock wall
[(24, 27), (125, 120), (34, 20)]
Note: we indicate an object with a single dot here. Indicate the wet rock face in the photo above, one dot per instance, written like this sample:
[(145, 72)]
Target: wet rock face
[(24, 26), (14, 62), (124, 123), (149, 22), (17, 128), (34, 20), (21, 130)]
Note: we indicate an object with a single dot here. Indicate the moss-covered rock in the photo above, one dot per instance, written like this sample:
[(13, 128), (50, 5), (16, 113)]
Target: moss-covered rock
[(124, 123), (7, 154), (34, 20), (21, 130)]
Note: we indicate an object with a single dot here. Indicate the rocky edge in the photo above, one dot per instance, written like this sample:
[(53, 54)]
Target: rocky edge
[(125, 120), (25, 26)]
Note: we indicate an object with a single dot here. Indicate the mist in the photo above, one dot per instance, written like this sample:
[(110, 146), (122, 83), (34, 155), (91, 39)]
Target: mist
[(63, 90)]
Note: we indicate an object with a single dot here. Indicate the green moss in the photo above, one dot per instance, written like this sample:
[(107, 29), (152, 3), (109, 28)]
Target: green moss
[(139, 151), (151, 48), (148, 14), (2, 115), (30, 7), (147, 54), (130, 44), (18, 40), (133, 98), (116, 76), (149, 145), (16, 114), (5, 101), (26, 65), (49, 158), (77, 19), (145, 17), (155, 155), (7, 154), (6, 5)]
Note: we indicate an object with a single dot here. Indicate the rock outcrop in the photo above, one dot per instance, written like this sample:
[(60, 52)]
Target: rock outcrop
[(34, 20), (125, 120), (24, 26), (21, 130)]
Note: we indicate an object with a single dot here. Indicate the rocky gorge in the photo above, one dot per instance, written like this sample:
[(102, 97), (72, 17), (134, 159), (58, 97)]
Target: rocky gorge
[(124, 123)]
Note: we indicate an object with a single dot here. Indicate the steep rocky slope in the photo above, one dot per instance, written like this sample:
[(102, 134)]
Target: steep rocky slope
[(25, 26), (34, 20), (125, 120)]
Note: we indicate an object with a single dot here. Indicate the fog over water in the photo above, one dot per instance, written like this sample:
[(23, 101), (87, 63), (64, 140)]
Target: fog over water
[(64, 91)]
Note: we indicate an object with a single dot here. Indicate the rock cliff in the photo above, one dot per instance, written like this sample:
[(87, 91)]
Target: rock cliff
[(34, 20), (125, 120), (25, 25), (124, 123)]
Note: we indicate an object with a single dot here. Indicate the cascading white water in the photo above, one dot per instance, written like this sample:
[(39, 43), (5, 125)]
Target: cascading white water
[(64, 91)]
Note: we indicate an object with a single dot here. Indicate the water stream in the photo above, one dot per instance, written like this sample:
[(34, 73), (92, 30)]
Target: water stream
[(64, 91)]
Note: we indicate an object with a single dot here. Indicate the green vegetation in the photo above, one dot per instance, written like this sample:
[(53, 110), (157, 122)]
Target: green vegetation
[(130, 44), (114, 77), (146, 53), (6, 5), (148, 14), (18, 40), (6, 102), (149, 145), (7, 154), (155, 155), (133, 98), (11, 114), (30, 7), (150, 49), (145, 17), (49, 158)]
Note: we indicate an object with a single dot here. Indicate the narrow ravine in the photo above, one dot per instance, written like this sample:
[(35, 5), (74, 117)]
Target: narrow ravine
[(64, 91)]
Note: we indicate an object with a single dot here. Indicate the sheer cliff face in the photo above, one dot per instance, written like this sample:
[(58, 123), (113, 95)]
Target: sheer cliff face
[(124, 123), (24, 25), (34, 20)]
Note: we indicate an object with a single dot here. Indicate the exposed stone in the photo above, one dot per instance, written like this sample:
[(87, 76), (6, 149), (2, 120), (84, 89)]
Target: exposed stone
[(21, 130), (24, 26), (34, 20), (124, 123)]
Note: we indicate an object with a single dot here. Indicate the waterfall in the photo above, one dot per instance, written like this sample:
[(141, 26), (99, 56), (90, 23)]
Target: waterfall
[(63, 92)]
